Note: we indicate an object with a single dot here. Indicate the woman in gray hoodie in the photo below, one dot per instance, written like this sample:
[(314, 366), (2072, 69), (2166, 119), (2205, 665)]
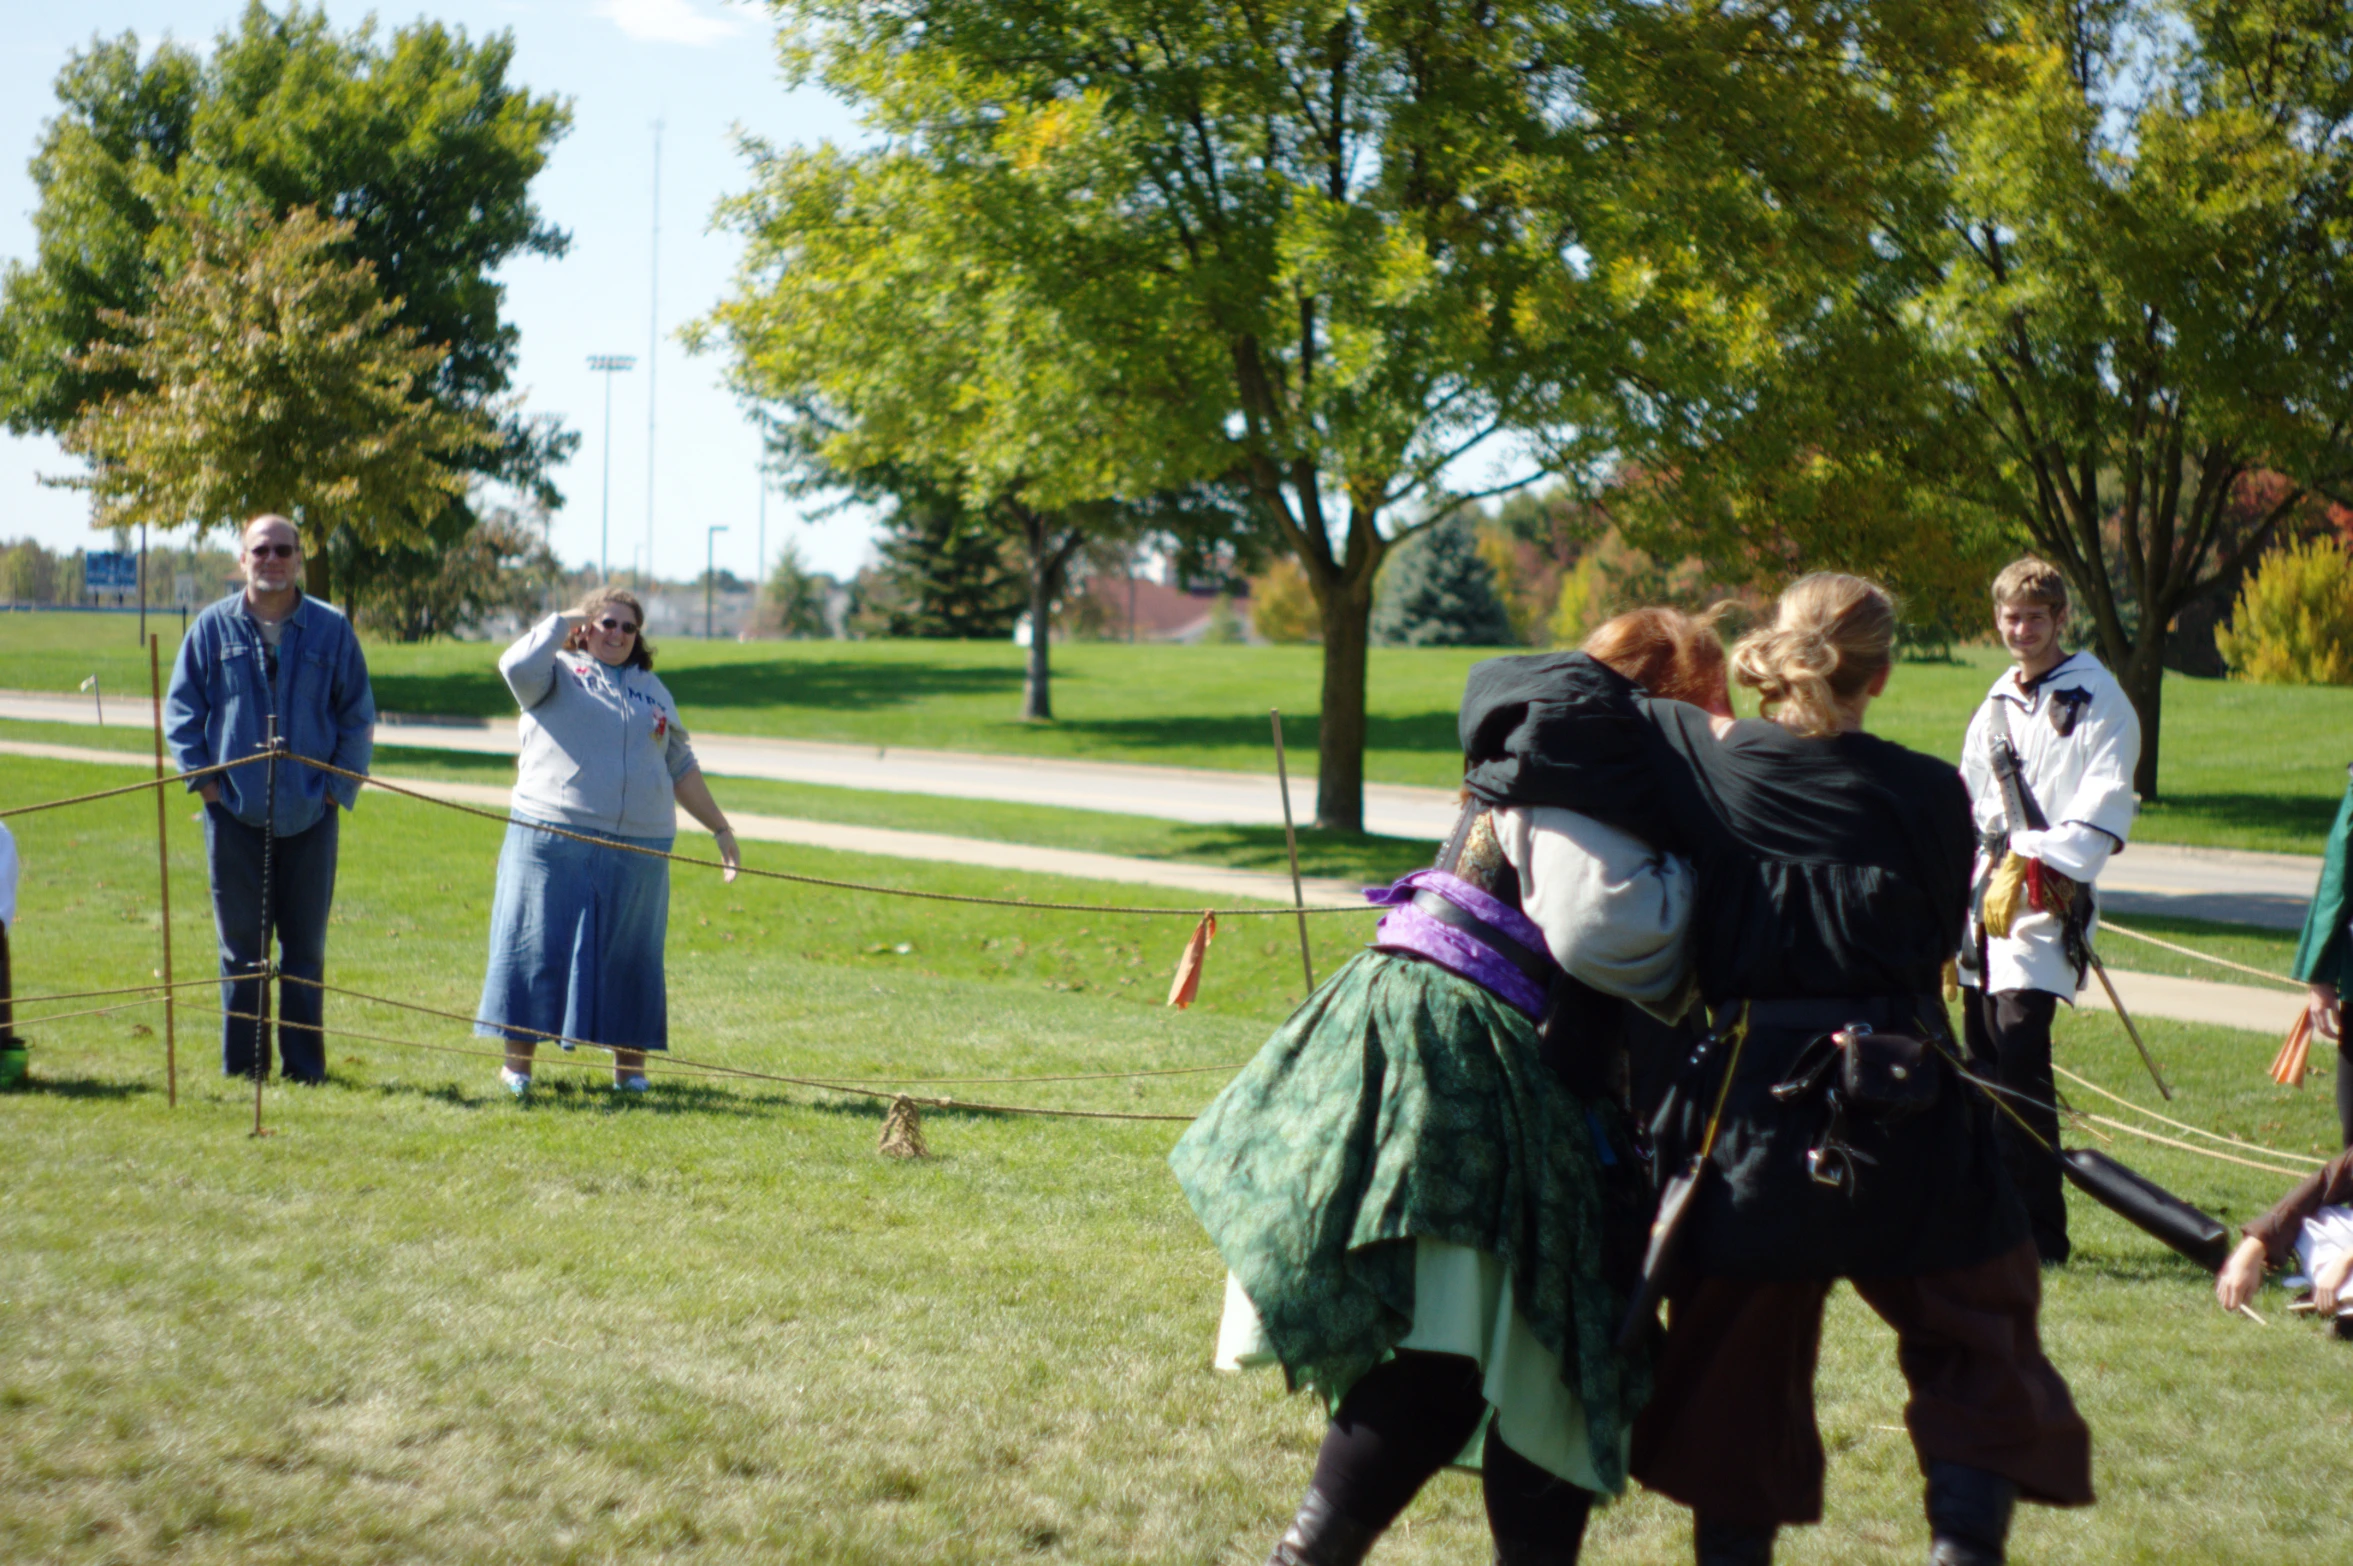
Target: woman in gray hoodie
[(576, 928)]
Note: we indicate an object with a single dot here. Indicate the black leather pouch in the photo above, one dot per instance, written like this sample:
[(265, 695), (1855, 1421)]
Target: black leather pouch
[(1888, 1076)]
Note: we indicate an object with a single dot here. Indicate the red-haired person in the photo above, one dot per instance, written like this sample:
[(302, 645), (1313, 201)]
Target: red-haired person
[(1414, 1185), (1833, 871)]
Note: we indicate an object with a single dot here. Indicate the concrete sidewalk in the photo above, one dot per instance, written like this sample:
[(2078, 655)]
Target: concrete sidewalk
[(2232, 887), (2267, 1010)]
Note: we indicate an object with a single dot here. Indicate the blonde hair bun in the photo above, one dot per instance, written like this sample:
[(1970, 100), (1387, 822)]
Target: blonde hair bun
[(1831, 636)]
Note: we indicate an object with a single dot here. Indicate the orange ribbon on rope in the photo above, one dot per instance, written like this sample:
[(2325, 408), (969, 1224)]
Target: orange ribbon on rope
[(1187, 983)]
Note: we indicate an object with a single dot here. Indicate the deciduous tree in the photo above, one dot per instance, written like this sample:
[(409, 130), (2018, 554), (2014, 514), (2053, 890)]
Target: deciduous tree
[(2094, 308), (416, 141), (270, 375)]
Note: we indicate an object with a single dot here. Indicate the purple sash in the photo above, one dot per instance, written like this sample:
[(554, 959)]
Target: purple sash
[(1405, 928)]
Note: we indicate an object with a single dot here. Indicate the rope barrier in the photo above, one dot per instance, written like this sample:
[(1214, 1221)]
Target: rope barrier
[(540, 1035), (133, 788), (1155, 910), (2227, 1141), (2186, 951), (819, 1083), (152, 990), (2192, 1147), (88, 1011)]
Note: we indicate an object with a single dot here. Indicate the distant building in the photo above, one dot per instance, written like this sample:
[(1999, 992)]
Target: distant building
[(1144, 610)]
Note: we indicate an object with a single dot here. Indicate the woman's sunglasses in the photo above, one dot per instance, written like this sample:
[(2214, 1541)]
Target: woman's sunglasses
[(268, 551), (608, 623)]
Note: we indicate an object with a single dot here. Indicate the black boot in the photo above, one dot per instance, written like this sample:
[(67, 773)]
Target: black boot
[(1715, 1543), (1968, 1515), (1322, 1536)]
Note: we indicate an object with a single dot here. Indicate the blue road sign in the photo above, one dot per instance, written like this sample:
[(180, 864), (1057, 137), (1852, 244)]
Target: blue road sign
[(110, 571)]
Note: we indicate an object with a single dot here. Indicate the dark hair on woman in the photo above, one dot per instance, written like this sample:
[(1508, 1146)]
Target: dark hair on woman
[(1831, 636), (642, 655)]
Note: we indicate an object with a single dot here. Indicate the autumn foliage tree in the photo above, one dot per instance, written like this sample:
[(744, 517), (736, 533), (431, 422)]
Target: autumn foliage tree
[(2099, 304), (270, 375)]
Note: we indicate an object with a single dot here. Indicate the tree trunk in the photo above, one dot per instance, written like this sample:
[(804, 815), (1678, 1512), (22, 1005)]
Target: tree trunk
[(1347, 611), (1048, 559), (316, 577), (2143, 679), (1037, 691)]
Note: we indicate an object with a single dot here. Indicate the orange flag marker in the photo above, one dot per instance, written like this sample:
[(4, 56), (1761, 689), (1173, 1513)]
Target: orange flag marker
[(2287, 1067), (1188, 970)]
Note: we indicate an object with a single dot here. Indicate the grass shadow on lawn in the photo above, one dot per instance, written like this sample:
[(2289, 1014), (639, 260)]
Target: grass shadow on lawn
[(834, 684), (1431, 733), (82, 1087), (824, 684)]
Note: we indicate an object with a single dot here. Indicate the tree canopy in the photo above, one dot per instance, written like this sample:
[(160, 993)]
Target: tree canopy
[(416, 143), (2102, 308), (269, 375), (1340, 250)]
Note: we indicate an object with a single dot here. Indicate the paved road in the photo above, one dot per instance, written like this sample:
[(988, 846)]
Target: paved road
[(2262, 1009), (2149, 878)]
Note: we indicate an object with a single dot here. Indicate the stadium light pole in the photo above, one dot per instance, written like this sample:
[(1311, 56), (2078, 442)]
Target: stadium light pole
[(710, 575), (608, 365)]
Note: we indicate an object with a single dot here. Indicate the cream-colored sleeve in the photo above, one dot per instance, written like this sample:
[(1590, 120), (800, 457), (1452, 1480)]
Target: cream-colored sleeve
[(1614, 911)]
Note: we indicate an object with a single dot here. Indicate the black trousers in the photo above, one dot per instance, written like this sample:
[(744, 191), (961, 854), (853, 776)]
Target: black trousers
[(302, 868), (2009, 1039)]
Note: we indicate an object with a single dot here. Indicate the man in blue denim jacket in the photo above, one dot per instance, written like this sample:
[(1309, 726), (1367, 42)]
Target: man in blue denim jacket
[(272, 650)]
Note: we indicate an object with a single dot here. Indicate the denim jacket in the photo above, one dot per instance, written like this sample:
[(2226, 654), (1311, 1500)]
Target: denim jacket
[(221, 698)]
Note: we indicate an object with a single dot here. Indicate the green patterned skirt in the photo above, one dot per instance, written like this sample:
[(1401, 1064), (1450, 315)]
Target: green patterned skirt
[(1403, 1104)]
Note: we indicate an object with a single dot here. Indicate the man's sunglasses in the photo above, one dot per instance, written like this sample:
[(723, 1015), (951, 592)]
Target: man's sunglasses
[(280, 551), (608, 623)]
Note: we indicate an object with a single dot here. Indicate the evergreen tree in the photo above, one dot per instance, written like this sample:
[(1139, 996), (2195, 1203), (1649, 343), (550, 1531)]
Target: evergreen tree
[(943, 573), (796, 595), (1438, 592)]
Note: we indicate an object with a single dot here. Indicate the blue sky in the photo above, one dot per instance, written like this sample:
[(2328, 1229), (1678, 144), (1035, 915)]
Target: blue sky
[(701, 67)]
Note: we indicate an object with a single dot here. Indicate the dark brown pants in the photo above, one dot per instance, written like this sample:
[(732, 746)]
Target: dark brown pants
[(1730, 1431)]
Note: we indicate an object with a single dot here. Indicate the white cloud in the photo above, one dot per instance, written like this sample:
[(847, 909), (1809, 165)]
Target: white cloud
[(669, 21)]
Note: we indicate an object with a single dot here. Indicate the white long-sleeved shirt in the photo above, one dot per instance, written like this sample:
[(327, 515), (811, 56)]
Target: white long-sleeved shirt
[(7, 878), (1614, 910), (2082, 779)]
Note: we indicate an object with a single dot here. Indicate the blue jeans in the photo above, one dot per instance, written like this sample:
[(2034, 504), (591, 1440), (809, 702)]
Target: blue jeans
[(302, 867)]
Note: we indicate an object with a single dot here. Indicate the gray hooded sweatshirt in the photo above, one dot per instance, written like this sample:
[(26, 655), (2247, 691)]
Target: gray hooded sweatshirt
[(602, 746)]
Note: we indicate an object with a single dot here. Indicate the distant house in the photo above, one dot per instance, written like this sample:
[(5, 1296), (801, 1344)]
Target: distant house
[(1147, 611)]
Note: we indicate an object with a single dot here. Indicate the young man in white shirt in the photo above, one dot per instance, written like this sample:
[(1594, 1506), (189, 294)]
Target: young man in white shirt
[(2077, 741)]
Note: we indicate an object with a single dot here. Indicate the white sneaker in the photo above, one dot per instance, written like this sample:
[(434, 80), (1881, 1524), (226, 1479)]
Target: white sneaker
[(632, 1084), (516, 1082)]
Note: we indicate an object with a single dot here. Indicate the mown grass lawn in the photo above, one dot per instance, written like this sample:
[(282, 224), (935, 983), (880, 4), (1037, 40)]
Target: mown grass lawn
[(422, 1323), (2243, 766)]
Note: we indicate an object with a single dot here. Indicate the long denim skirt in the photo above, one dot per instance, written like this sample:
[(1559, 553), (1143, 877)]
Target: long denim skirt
[(576, 941)]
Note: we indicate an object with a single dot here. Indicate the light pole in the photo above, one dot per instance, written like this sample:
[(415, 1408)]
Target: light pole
[(710, 576), (608, 365)]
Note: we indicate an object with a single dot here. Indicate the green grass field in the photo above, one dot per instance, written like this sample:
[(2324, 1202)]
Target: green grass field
[(423, 1323), (2243, 766)]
